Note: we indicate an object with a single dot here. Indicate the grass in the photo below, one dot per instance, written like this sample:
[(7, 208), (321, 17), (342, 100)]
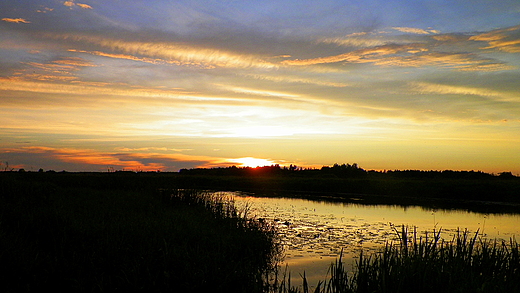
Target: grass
[(98, 239), (428, 263)]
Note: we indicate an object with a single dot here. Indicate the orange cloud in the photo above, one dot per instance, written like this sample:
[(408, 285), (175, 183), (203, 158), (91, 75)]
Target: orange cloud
[(58, 70), (409, 55), (362, 55), (178, 52), (127, 57), (506, 40), (84, 6), (81, 5), (136, 161), (16, 20), (74, 61)]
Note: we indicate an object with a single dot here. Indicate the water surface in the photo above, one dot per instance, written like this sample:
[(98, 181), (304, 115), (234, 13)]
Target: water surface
[(315, 232)]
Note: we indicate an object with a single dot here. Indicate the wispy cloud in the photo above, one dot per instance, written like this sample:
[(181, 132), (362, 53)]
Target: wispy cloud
[(507, 40), (418, 31), (424, 87), (81, 5), (128, 57), (409, 55), (16, 20), (184, 54)]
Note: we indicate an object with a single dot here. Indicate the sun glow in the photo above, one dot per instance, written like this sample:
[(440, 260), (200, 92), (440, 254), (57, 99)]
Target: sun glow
[(253, 162)]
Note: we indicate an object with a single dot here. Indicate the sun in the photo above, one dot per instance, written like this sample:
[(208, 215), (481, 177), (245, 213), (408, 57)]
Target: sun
[(253, 162)]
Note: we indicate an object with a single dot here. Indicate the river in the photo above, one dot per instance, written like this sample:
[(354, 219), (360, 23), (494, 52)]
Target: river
[(314, 233)]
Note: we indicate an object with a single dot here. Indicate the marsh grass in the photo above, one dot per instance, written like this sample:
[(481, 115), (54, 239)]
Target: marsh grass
[(83, 239), (427, 263)]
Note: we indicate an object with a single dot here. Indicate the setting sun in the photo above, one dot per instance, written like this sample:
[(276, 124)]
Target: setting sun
[(253, 162)]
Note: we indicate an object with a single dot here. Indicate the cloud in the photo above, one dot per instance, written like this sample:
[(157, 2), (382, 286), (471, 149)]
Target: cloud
[(59, 69), (16, 20), (168, 52), (409, 55), (367, 55), (418, 31), (424, 87), (94, 89), (81, 5), (45, 10), (124, 159), (290, 79), (507, 40), (84, 6), (128, 57)]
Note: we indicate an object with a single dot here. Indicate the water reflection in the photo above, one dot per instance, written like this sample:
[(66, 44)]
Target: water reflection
[(315, 232)]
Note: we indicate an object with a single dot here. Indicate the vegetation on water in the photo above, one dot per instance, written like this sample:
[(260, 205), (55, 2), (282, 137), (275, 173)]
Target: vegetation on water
[(63, 236), (425, 264)]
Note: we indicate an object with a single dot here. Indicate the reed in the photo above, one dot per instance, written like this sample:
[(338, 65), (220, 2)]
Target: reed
[(426, 263)]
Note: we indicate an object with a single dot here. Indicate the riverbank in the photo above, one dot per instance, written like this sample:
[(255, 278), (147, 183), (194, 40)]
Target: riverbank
[(474, 192)]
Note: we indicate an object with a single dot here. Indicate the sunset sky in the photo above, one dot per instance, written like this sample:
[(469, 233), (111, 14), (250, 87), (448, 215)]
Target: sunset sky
[(97, 85)]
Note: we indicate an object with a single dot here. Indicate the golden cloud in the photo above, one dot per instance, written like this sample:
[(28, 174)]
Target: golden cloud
[(423, 87), (74, 61), (20, 84), (418, 31), (84, 6), (297, 80), (507, 40), (409, 55), (355, 41), (56, 70), (367, 55), (81, 5), (128, 57), (16, 20), (167, 51)]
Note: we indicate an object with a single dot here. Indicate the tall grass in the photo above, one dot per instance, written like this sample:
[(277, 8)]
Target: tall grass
[(427, 263), (87, 239)]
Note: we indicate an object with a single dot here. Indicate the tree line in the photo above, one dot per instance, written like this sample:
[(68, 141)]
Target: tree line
[(342, 171)]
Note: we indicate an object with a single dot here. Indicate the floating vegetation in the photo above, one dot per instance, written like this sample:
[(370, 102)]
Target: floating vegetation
[(425, 263)]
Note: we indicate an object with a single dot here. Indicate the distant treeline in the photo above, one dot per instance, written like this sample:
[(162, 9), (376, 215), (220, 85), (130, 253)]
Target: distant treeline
[(341, 171), (334, 182)]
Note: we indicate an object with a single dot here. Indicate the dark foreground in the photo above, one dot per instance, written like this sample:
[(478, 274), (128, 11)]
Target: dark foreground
[(153, 232), (77, 234)]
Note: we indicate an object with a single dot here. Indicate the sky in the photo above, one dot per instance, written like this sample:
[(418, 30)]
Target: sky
[(93, 85)]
